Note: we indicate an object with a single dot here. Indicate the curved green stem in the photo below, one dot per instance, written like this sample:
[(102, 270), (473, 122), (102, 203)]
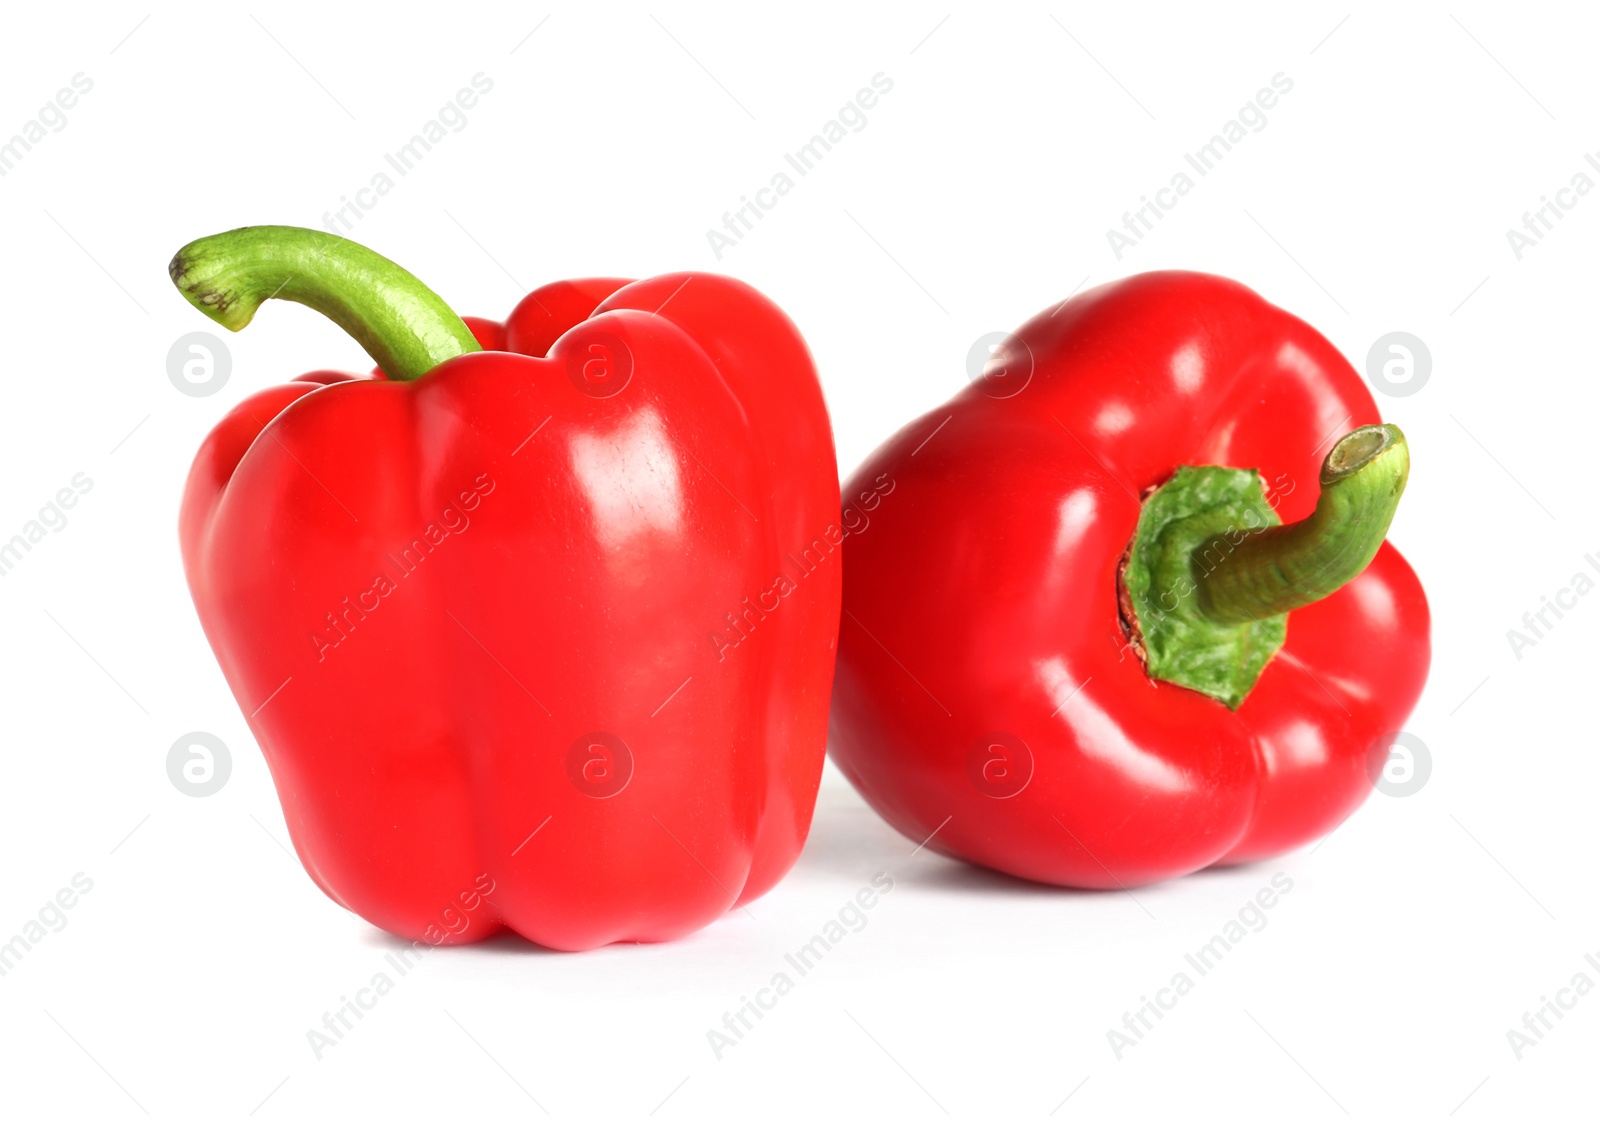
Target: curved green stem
[(405, 327), (1277, 569)]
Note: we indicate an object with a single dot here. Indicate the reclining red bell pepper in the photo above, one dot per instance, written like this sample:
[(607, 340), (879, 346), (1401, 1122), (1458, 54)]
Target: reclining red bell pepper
[(1078, 646), (473, 611)]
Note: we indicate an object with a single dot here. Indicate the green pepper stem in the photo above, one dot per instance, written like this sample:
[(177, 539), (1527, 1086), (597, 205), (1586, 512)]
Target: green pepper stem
[(405, 327), (1277, 569)]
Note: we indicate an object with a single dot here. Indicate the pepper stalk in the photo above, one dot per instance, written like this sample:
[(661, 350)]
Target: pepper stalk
[(1212, 572), (403, 326)]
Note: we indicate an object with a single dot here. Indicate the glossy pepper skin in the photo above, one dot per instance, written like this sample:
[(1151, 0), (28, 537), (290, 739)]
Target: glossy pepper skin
[(470, 616), (987, 686)]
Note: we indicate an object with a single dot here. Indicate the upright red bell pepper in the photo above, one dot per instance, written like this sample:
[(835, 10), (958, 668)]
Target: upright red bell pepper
[(1130, 611), (478, 613)]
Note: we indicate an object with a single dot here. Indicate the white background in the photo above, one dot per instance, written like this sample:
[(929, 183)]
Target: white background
[(1377, 198)]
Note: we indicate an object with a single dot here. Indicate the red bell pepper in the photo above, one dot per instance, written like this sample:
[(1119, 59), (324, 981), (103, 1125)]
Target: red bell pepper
[(1078, 646), (473, 611)]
